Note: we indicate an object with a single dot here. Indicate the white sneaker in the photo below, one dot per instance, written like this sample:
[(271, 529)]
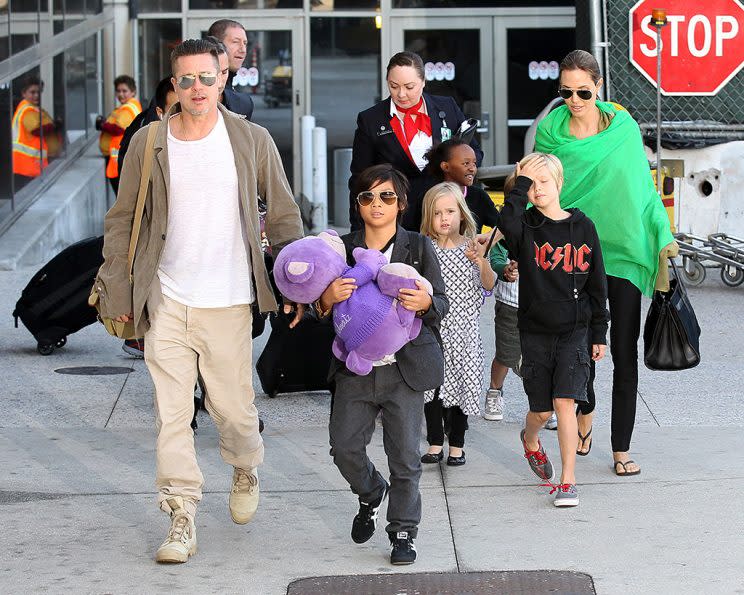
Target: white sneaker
[(244, 495), (494, 409), (181, 540), (552, 423)]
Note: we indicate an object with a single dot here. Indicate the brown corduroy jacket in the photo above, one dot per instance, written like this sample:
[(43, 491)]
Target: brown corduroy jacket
[(260, 173)]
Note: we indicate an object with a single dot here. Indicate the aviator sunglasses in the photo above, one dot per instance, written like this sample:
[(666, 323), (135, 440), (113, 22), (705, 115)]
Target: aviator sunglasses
[(186, 81), (367, 197), (584, 94)]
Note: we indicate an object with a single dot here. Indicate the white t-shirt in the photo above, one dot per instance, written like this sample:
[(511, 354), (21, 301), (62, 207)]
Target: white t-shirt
[(420, 143), (205, 261)]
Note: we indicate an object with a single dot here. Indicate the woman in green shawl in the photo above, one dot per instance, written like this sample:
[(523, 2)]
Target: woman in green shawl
[(607, 176)]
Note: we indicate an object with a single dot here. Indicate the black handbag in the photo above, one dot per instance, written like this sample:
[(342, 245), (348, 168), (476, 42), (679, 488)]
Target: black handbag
[(671, 335)]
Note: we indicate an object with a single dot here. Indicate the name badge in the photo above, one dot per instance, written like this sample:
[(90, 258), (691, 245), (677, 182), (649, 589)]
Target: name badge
[(384, 131), (446, 133)]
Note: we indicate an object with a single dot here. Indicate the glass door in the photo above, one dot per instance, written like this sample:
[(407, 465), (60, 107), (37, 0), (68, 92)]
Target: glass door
[(527, 79), (273, 75), (458, 56)]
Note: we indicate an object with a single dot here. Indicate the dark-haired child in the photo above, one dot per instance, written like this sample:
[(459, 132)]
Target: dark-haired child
[(454, 161), (397, 382)]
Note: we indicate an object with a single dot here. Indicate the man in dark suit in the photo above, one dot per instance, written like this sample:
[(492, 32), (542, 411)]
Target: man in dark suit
[(375, 142), (240, 103), (232, 34)]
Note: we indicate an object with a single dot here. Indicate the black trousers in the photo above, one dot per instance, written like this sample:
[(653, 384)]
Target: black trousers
[(357, 400), (625, 326), (444, 420)]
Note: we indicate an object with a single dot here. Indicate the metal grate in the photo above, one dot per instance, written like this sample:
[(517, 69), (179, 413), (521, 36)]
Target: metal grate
[(519, 582), (638, 95)]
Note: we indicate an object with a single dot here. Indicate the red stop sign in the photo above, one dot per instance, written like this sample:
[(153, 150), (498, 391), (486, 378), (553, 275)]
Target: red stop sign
[(702, 45)]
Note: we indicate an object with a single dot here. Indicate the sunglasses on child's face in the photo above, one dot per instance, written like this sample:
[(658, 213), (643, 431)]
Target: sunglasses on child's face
[(186, 81), (367, 197), (584, 94)]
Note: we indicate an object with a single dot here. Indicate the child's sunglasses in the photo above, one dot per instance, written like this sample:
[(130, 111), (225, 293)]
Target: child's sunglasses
[(187, 81), (367, 197), (584, 94)]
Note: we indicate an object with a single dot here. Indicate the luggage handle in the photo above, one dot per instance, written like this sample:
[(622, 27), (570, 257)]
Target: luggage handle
[(139, 209)]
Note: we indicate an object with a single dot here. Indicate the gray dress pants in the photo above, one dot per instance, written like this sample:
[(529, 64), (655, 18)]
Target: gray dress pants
[(356, 403)]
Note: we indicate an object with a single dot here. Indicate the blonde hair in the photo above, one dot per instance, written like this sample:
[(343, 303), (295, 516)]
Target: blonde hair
[(550, 162), (467, 223)]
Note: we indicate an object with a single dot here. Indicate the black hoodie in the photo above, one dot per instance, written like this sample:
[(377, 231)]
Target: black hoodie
[(562, 281)]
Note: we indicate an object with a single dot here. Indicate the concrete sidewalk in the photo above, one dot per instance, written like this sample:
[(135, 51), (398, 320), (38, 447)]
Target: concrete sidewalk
[(79, 513)]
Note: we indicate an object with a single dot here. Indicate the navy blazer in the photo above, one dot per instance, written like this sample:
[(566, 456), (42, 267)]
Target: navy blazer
[(240, 103), (421, 362), (376, 143)]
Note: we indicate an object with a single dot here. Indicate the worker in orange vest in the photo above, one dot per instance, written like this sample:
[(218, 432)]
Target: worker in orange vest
[(35, 137), (112, 130)]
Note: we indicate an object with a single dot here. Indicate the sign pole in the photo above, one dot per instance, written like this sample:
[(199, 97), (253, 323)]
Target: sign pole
[(659, 18)]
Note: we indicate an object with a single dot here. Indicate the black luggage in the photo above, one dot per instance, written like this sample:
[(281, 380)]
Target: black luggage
[(297, 359), (54, 304)]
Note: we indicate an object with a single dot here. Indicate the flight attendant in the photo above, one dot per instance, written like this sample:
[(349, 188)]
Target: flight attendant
[(401, 129)]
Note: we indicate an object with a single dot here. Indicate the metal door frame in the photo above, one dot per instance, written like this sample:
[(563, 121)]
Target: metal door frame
[(502, 24), (194, 25)]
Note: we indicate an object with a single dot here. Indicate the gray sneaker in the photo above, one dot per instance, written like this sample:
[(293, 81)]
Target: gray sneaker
[(494, 409), (538, 460), (552, 423), (566, 495)]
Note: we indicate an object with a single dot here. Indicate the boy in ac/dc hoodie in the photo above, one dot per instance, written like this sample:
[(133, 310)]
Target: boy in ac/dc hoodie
[(562, 310)]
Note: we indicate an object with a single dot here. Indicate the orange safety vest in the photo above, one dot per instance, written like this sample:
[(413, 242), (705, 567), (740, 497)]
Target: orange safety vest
[(122, 116), (29, 151)]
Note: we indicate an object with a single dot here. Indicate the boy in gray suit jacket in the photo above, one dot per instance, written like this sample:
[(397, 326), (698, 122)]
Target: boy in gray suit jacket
[(397, 382)]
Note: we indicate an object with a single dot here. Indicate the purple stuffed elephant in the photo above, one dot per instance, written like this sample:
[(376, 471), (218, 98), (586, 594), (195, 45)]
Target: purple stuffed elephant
[(371, 324)]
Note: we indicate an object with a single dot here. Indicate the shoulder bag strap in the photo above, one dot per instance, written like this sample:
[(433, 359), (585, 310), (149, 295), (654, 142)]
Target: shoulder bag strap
[(141, 195)]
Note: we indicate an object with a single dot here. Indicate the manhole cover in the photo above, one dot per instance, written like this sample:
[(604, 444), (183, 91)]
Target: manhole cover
[(532, 582), (94, 370)]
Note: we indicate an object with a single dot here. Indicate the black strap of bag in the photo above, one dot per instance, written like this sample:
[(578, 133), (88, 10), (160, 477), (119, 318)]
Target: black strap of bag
[(671, 334)]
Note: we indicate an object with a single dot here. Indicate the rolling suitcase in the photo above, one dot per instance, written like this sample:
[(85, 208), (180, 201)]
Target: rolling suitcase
[(54, 304), (298, 359)]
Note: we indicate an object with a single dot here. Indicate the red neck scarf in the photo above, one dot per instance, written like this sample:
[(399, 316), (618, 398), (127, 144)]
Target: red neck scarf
[(411, 127)]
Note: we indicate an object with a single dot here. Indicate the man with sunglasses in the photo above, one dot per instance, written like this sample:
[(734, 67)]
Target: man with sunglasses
[(198, 267)]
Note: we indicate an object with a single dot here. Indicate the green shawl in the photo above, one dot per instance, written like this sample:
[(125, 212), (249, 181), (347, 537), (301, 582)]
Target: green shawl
[(607, 176)]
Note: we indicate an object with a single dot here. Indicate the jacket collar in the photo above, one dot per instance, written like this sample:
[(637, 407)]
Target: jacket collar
[(400, 247), (435, 112)]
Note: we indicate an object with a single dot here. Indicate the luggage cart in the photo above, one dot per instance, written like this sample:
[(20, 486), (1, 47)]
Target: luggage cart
[(699, 254), (732, 248)]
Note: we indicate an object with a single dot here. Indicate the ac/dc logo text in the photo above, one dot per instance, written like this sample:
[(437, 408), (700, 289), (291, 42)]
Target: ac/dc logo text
[(566, 256)]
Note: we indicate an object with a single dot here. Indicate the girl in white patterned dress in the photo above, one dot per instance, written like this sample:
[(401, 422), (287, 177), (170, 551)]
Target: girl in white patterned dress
[(467, 278)]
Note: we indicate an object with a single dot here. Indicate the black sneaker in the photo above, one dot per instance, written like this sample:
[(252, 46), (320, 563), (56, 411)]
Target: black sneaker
[(365, 521), (402, 548)]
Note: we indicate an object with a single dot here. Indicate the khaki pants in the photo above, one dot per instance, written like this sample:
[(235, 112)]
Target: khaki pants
[(217, 343)]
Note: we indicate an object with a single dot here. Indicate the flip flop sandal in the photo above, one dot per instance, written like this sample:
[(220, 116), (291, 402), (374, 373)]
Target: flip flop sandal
[(625, 472), (583, 440)]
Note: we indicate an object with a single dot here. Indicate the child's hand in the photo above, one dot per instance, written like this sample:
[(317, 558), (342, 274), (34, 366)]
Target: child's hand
[(415, 299), (338, 291), (530, 169), (474, 251), (511, 271), (598, 352)]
